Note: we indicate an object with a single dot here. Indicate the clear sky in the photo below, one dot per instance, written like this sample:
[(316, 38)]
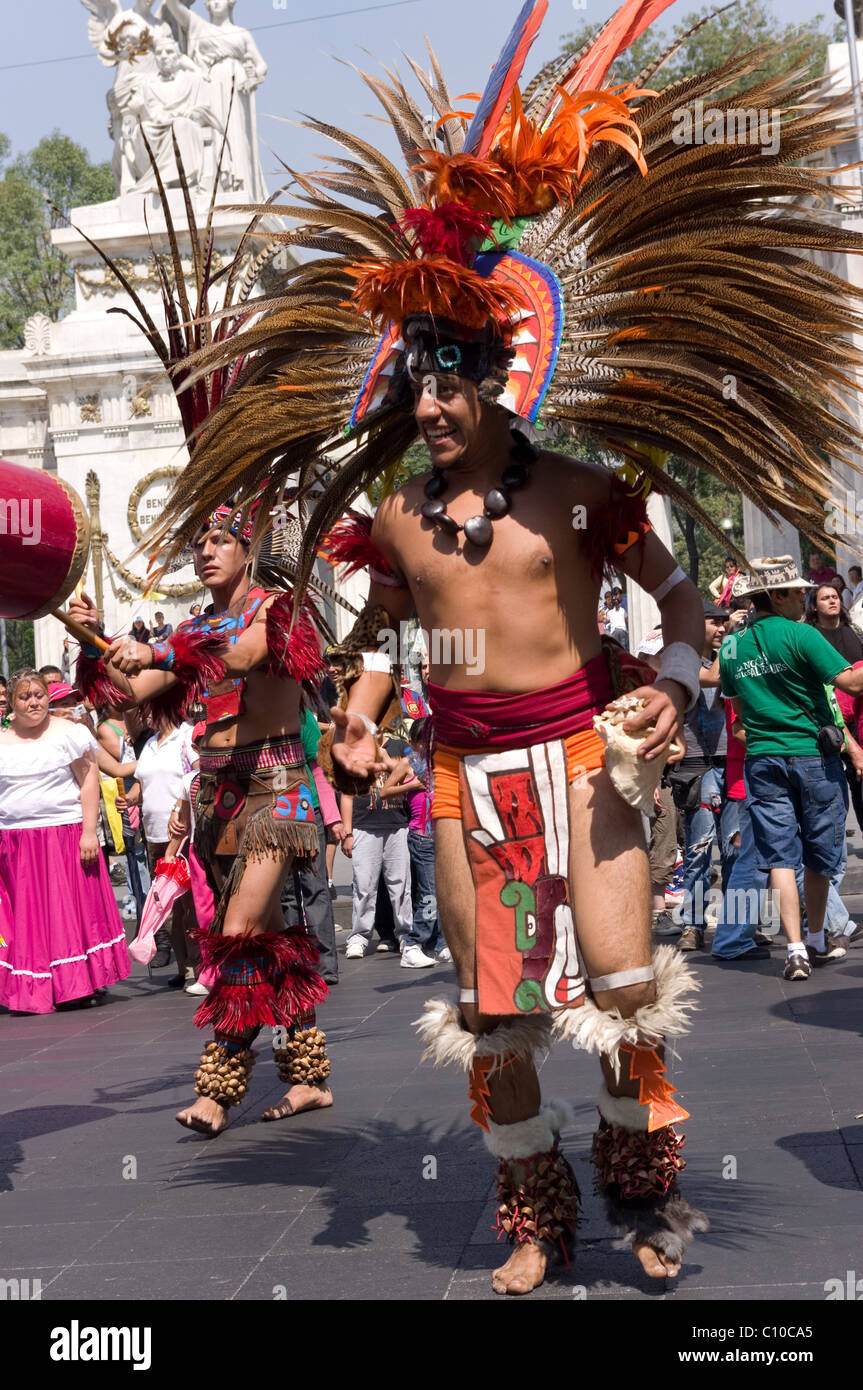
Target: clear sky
[(70, 95)]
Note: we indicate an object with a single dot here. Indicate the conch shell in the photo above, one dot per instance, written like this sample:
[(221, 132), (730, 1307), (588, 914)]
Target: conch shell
[(632, 777)]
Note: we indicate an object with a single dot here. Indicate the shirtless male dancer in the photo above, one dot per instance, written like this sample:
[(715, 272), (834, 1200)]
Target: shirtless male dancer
[(555, 258), (533, 593), (252, 815)]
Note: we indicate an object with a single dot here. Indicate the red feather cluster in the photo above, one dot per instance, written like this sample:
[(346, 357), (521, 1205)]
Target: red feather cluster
[(265, 980), (450, 229), (350, 543), (197, 665), (295, 653), (93, 683), (391, 290)]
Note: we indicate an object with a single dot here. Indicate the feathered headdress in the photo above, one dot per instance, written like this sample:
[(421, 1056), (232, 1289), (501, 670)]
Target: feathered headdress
[(625, 277)]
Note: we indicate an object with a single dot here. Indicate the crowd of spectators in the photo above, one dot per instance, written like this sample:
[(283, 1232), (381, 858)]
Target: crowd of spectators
[(139, 799), (771, 759), (742, 834)]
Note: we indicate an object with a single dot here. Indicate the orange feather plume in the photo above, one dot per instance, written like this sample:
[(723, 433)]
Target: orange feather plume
[(545, 165), (391, 290), (463, 178)]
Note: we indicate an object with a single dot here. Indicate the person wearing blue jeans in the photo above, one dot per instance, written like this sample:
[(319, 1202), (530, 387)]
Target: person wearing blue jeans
[(698, 786), (423, 942), (742, 897), (797, 795), (714, 821), (425, 929)]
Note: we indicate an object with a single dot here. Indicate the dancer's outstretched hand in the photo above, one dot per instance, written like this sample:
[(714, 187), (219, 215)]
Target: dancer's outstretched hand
[(664, 707), (354, 747)]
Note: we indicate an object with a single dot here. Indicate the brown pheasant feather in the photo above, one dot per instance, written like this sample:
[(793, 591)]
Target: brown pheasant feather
[(701, 317)]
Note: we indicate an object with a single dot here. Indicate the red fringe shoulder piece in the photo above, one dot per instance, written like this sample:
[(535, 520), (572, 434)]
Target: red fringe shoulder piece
[(350, 543), (196, 665), (295, 652), (93, 683), (615, 527)]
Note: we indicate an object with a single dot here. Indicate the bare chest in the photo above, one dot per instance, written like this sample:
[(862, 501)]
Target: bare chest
[(531, 550)]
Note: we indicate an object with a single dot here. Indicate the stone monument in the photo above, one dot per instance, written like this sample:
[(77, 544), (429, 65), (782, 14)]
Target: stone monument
[(86, 396)]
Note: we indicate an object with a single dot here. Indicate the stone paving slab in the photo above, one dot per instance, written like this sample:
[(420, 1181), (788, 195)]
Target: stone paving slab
[(394, 1180)]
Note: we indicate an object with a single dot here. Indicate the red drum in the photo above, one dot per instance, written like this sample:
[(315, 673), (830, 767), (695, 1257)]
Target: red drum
[(44, 541)]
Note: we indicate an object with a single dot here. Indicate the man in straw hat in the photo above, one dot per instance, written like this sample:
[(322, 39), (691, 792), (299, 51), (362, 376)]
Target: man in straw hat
[(775, 673)]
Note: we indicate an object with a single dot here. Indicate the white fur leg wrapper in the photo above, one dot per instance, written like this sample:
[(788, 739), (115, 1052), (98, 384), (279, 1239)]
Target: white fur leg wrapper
[(448, 1043), (528, 1137), (624, 1111), (604, 1031)]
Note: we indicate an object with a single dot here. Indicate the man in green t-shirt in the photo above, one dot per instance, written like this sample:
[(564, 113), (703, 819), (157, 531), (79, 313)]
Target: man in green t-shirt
[(774, 672)]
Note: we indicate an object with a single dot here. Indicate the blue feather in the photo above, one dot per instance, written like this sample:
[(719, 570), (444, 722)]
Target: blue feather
[(499, 74)]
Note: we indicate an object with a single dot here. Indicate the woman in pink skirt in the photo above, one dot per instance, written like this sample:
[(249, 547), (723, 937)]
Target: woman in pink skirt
[(63, 938)]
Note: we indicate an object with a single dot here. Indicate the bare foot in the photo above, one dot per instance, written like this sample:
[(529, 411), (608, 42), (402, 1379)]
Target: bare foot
[(206, 1116), (299, 1098), (658, 1266), (523, 1271)]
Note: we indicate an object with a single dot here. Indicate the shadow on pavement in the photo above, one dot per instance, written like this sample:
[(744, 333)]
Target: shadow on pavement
[(20, 1125)]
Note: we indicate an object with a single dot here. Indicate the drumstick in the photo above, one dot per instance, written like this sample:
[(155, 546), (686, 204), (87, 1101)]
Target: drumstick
[(83, 634)]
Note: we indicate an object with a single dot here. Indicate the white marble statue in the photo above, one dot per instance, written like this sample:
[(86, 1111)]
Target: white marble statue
[(175, 98), (120, 35), (230, 55), (156, 86), (123, 39)]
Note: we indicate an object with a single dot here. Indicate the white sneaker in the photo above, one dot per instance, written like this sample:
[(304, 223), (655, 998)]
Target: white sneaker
[(415, 958), (445, 955), (355, 949), (195, 987)]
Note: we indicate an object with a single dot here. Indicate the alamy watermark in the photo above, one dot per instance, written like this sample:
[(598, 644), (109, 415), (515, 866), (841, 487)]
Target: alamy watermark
[(735, 126), (21, 518), (850, 1288), (20, 1290), (741, 906), (77, 1343), (446, 646)]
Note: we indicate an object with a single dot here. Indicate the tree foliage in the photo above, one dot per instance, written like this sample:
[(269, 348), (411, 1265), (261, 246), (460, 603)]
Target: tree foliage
[(734, 31), (414, 463), (37, 192), (20, 646)]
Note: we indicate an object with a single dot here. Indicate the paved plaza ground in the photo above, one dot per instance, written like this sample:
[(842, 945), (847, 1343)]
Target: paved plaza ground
[(388, 1195)]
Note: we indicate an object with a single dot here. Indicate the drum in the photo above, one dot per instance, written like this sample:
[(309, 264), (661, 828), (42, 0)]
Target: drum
[(44, 541)]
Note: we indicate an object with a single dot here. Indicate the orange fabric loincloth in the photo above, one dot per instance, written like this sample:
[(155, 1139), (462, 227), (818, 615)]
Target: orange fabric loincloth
[(585, 752)]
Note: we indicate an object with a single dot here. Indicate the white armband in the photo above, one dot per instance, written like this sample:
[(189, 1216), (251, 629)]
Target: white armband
[(662, 590), (682, 663), (377, 661)]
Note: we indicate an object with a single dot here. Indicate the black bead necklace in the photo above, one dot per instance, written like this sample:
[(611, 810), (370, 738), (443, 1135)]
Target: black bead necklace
[(496, 503)]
